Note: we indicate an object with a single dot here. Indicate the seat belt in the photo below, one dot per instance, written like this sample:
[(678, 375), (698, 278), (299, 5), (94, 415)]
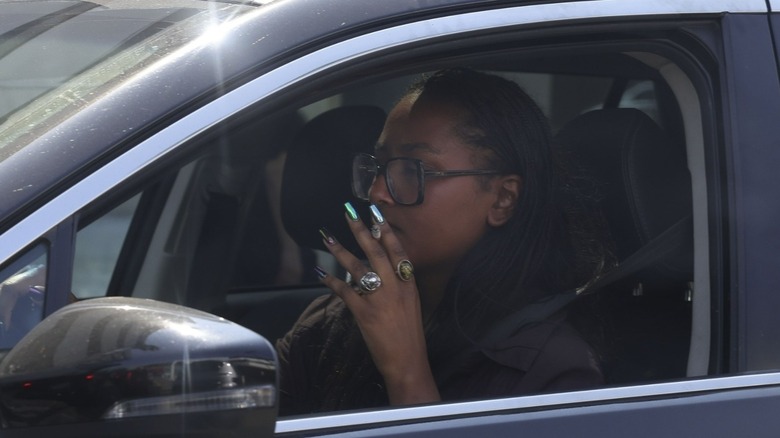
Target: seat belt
[(661, 246), (666, 243)]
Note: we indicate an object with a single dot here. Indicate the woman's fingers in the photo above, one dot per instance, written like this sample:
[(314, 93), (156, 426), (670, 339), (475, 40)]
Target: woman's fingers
[(380, 244), (339, 287), (393, 249), (390, 315), (388, 266), (364, 280), (346, 259)]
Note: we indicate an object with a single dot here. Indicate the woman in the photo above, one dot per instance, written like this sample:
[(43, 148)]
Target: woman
[(469, 228)]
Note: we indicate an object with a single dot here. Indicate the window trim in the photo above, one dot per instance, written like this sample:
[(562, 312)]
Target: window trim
[(671, 390)]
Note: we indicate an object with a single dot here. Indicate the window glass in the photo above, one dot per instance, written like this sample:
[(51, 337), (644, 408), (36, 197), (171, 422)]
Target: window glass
[(218, 237), (97, 250), (563, 97), (22, 294), (642, 96), (585, 106), (85, 54)]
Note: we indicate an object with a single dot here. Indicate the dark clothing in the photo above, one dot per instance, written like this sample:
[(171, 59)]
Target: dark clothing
[(325, 365)]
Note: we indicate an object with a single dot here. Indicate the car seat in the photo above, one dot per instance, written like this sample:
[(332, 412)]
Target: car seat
[(645, 192), (317, 174), (315, 185)]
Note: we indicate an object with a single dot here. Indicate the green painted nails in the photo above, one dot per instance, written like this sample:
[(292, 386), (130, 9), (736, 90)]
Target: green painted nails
[(351, 212)]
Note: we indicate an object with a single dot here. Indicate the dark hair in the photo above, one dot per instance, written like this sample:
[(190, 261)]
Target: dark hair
[(553, 241)]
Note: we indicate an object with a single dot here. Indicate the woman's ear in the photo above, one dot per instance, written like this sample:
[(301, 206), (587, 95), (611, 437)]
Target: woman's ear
[(508, 192)]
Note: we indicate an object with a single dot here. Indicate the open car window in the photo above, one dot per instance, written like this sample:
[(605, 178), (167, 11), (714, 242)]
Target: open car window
[(225, 230)]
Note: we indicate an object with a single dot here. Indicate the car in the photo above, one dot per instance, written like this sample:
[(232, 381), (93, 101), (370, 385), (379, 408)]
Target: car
[(164, 167)]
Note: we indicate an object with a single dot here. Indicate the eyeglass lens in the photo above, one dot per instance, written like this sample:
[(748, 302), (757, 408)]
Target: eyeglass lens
[(403, 177), (364, 172), (403, 180)]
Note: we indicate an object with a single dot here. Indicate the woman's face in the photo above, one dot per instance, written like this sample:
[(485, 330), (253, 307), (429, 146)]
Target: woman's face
[(453, 216)]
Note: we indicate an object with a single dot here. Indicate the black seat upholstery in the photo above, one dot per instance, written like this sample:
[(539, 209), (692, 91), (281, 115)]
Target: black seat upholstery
[(646, 190), (317, 173), (643, 175), (315, 185)]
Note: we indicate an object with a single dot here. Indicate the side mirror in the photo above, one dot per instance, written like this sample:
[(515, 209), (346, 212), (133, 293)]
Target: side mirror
[(133, 367)]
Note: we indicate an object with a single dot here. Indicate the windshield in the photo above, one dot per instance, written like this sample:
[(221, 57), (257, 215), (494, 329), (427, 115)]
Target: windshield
[(56, 57)]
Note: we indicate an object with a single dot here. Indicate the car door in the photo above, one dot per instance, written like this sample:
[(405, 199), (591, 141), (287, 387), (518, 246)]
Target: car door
[(192, 214)]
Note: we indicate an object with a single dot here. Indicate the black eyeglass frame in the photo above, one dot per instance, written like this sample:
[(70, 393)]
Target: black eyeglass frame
[(422, 173)]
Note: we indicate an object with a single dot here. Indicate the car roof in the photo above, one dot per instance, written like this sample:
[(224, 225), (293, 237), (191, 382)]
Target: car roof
[(101, 123)]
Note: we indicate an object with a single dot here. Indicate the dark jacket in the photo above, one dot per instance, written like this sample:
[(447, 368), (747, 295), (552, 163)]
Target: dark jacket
[(325, 366)]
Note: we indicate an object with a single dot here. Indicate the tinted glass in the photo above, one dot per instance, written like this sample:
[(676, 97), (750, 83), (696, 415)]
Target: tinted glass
[(22, 295), (97, 250), (88, 47)]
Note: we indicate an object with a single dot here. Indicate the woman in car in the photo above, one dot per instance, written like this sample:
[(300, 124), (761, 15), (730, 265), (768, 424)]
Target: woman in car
[(473, 221)]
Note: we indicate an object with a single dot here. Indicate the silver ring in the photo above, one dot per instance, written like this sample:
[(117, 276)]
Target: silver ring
[(376, 232), (404, 270), (370, 282)]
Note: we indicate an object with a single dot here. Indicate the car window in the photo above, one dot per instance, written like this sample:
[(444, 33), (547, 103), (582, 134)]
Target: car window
[(642, 96), (22, 295), (563, 97), (212, 225), (97, 250), (219, 240), (224, 225), (87, 49)]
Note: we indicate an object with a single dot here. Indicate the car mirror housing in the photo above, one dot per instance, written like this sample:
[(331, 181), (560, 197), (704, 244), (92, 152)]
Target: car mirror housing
[(134, 367)]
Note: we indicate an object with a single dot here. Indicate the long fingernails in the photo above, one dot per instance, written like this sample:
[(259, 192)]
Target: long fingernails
[(351, 212), (320, 272), (327, 237), (376, 214)]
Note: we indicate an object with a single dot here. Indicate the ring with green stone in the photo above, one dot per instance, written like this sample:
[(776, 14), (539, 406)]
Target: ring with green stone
[(405, 270)]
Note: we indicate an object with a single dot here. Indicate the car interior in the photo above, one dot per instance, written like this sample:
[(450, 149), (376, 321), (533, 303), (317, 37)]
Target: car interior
[(229, 225)]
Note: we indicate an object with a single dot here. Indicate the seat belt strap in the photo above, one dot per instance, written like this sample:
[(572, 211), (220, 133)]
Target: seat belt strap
[(661, 246)]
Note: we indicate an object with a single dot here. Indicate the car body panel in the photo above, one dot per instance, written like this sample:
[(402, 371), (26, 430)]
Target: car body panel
[(640, 411), (752, 157)]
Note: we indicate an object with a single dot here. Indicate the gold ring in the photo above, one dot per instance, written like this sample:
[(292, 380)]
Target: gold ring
[(404, 270)]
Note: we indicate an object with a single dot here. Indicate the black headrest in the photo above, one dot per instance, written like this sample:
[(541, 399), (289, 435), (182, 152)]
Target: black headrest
[(317, 173), (643, 175)]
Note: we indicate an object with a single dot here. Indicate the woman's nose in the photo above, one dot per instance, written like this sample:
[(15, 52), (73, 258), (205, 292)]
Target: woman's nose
[(378, 193)]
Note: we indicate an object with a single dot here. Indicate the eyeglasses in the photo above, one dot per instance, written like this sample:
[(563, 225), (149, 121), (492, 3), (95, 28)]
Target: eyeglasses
[(405, 177)]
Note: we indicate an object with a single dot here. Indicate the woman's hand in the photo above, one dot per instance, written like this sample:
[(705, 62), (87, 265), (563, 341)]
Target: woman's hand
[(390, 317)]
